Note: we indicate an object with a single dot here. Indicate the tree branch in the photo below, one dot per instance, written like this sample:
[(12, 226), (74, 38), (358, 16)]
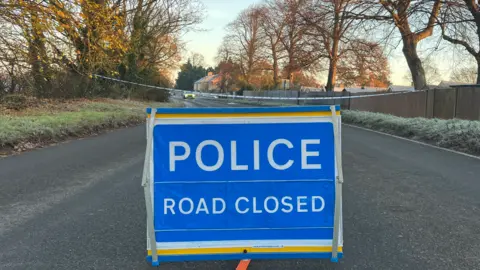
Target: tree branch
[(431, 22), (455, 41)]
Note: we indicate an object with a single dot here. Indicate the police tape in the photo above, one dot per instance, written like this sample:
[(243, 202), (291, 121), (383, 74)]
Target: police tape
[(252, 97)]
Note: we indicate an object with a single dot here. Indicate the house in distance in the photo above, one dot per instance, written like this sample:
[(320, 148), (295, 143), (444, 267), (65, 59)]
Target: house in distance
[(211, 82)]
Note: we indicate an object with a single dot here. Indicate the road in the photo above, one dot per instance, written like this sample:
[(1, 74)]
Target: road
[(79, 205)]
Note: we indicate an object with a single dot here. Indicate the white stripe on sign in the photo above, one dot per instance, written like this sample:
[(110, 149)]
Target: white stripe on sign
[(243, 229), (243, 243), (245, 181)]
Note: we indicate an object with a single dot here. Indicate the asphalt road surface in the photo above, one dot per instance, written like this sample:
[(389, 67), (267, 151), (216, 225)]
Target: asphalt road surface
[(79, 205)]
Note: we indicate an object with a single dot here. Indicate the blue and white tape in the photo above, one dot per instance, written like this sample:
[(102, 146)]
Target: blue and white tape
[(251, 97)]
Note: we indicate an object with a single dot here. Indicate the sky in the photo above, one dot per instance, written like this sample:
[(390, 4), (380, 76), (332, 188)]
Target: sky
[(222, 12), (219, 14)]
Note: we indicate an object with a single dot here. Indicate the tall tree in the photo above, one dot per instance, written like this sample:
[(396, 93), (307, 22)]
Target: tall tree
[(246, 38), (460, 24), (197, 59), (229, 73), (188, 75), (415, 20), (301, 51), (136, 38), (333, 28), (273, 23), (155, 30), (228, 67), (30, 18), (364, 64), (225, 51), (95, 30)]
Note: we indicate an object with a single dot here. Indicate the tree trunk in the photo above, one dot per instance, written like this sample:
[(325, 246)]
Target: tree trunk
[(290, 67), (275, 67), (137, 41), (414, 63), (13, 81), (332, 74), (36, 72), (247, 76), (37, 57), (332, 69)]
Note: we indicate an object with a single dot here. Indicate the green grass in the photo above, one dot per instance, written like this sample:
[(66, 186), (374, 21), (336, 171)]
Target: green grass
[(81, 119)]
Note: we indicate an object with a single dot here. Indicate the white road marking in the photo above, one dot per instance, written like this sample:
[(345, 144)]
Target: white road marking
[(414, 141)]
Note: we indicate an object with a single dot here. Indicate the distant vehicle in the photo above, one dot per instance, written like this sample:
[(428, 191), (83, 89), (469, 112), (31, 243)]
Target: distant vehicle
[(188, 95)]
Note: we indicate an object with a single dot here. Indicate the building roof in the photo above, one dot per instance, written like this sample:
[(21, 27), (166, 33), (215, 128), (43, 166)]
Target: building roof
[(401, 88), (359, 89), (449, 83), (207, 79)]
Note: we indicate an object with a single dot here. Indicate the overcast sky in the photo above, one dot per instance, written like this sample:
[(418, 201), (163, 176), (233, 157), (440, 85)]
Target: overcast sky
[(221, 12)]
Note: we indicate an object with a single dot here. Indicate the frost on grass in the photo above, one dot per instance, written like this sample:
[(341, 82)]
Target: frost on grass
[(461, 135), (56, 121)]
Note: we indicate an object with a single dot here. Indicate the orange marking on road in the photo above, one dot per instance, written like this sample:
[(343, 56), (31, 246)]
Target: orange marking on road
[(243, 265)]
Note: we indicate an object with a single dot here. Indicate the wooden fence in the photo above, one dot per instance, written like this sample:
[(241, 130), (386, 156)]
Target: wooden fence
[(461, 102)]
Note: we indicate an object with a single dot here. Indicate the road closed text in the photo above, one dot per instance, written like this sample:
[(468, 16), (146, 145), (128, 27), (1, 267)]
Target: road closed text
[(244, 205), (308, 148)]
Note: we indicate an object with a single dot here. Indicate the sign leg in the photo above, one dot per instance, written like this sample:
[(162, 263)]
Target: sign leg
[(148, 195), (338, 186)]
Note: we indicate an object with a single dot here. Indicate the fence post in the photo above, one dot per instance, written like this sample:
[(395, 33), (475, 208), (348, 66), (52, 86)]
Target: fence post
[(345, 102), (430, 103), (349, 99), (426, 103), (455, 103)]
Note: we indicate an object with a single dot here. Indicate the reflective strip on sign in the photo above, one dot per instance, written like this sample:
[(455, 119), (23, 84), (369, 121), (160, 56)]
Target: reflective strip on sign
[(215, 115), (203, 251)]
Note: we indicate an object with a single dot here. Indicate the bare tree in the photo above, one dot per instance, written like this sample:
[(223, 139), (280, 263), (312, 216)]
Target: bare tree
[(271, 36), (273, 23), (332, 26), (30, 22), (465, 75), (225, 50), (415, 20), (301, 51), (13, 56), (229, 70), (460, 24), (230, 73), (197, 60), (246, 39), (364, 64), (432, 74)]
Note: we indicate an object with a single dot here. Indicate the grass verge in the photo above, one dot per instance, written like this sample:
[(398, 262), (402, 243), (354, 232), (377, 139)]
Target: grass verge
[(47, 121), (456, 134)]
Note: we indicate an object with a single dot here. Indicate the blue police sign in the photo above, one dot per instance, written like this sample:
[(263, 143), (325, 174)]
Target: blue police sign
[(237, 183)]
